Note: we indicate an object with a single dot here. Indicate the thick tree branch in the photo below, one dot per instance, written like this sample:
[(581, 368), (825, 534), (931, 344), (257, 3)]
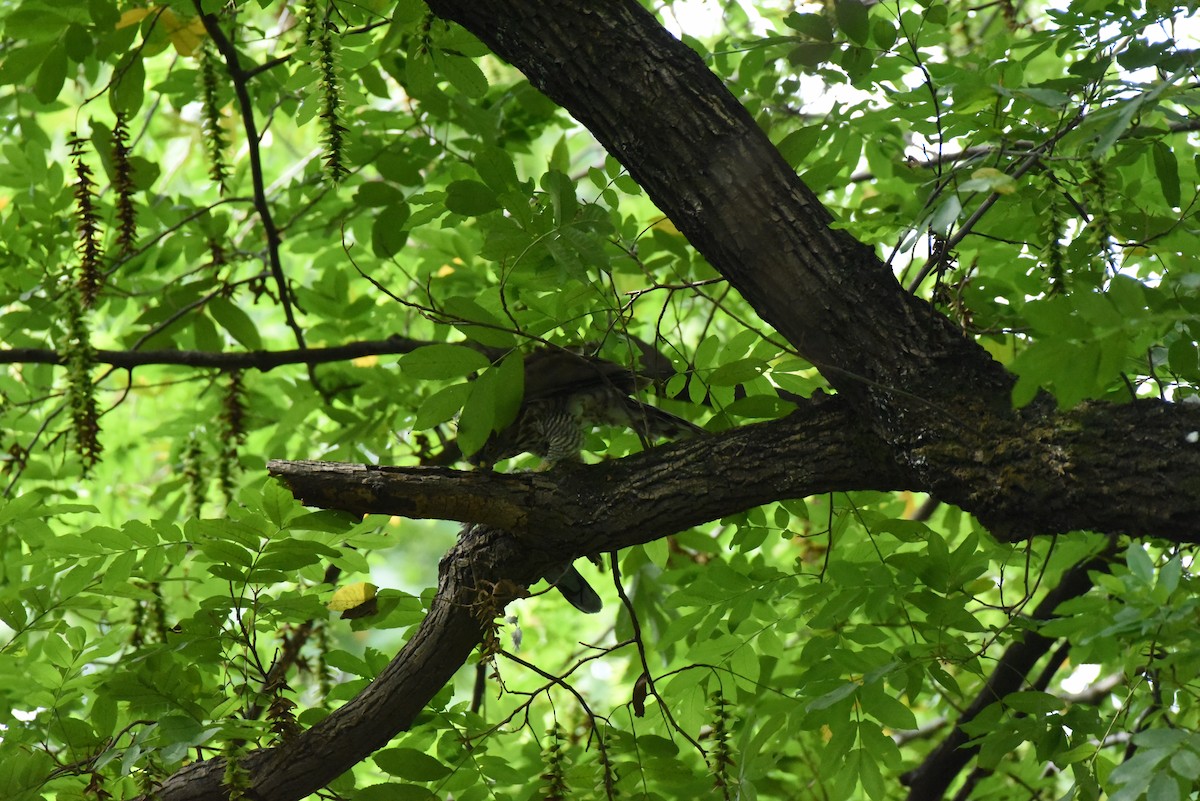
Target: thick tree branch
[(933, 395), (569, 512), (1063, 473), (574, 511)]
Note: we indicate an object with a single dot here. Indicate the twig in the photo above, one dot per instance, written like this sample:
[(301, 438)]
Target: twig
[(1025, 166), (240, 78), (641, 649)]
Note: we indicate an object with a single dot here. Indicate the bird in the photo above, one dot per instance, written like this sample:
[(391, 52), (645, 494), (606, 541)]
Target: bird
[(566, 395)]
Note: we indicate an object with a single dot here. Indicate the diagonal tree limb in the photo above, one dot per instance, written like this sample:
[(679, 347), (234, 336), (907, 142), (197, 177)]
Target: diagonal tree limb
[(933, 395), (644, 94), (929, 780), (471, 589)]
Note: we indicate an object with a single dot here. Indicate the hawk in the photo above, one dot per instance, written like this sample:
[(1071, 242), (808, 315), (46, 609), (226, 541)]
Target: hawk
[(566, 395)]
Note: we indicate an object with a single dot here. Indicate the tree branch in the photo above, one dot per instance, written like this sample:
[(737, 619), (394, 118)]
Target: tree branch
[(470, 591), (932, 777), (934, 396), (263, 360), (582, 510), (240, 78), (644, 94), (1099, 467)]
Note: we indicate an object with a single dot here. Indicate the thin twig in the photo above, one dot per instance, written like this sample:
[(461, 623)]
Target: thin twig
[(240, 78)]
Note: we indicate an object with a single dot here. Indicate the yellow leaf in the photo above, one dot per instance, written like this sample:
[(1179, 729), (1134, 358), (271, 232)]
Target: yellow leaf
[(188, 37), (133, 16), (351, 595), (997, 181), (185, 37)]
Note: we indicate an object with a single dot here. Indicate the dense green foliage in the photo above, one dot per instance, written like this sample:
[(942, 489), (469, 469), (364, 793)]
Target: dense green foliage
[(327, 173)]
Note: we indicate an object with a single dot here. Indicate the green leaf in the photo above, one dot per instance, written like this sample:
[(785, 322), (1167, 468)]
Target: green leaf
[(478, 418), (1170, 574), (388, 232), (496, 168), (510, 389), (1166, 168), (27, 505), (377, 193), (441, 406), (813, 26), (797, 145), (738, 372), (227, 553), (1184, 358), (419, 74), (127, 91), (470, 198), (760, 406), (877, 703), (463, 74), (236, 322), (34, 23), (442, 362), (78, 42), (51, 75), (278, 504), (945, 215), (1163, 787), (291, 555), (811, 55), (870, 777), (1033, 703), (832, 697), (477, 323), (884, 33), (1187, 764), (393, 791), (18, 63), (561, 190), (853, 20), (409, 763), (1121, 120), (1139, 563), (937, 14)]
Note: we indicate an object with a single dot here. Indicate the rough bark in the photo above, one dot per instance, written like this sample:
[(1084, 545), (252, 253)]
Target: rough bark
[(1069, 472), (574, 511), (652, 102)]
